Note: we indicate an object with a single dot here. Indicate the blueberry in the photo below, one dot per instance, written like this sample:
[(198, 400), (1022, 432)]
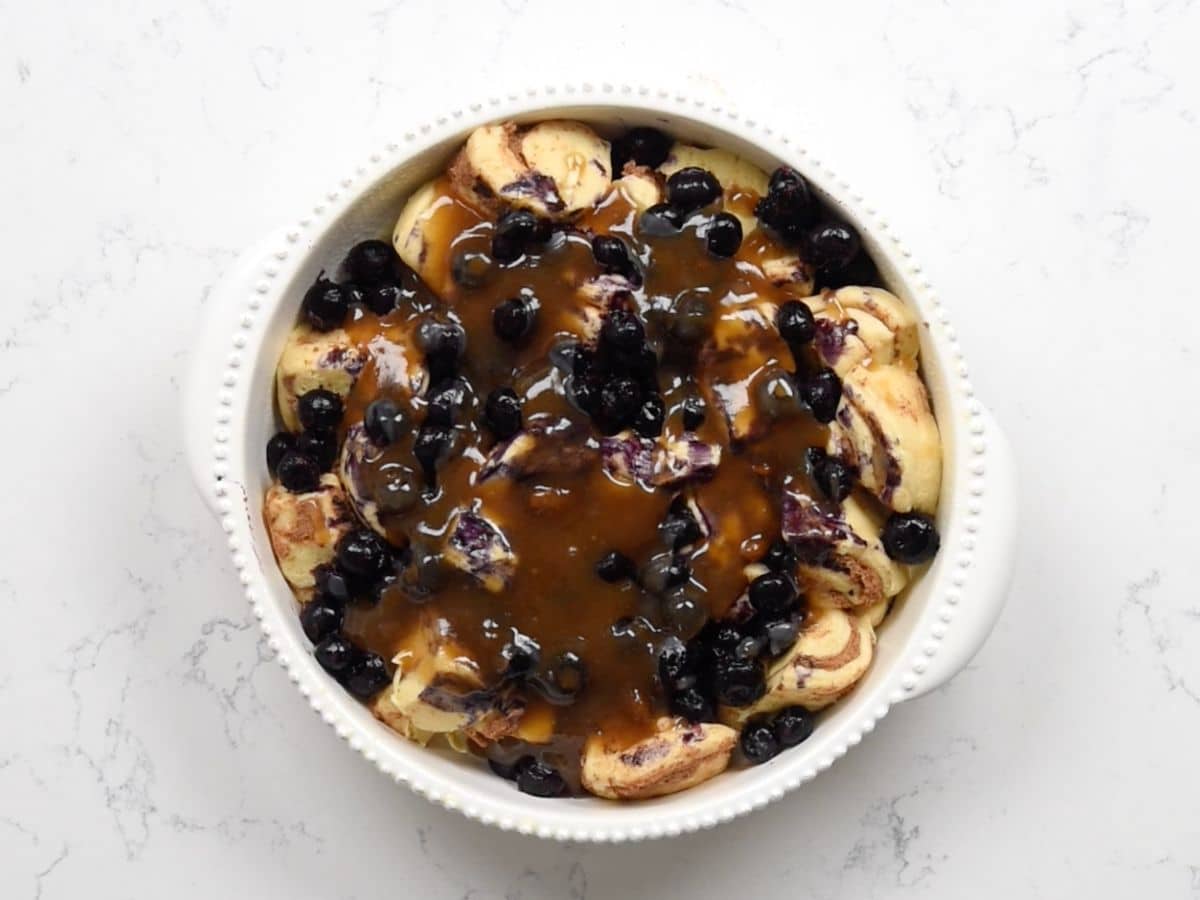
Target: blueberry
[(694, 411), (833, 477), (795, 322), (521, 656), (691, 188), (664, 571), (570, 357), (336, 654), (515, 231), (788, 207), (784, 179), (759, 743), (320, 446), (860, 271), (724, 235), (502, 413), (298, 473), (660, 220), (781, 634), (320, 619), (443, 344), (685, 610), (776, 394), (445, 401), (693, 318), (319, 410), (397, 488), (831, 246), (507, 770), (619, 402), (614, 566), (739, 682), (362, 553), (623, 330), (679, 529), (692, 705), (470, 269), (910, 538), (643, 146), (773, 594), (566, 679), (366, 676), (641, 365), (425, 572), (381, 299), (371, 262), (513, 319), (333, 586), (722, 637), (822, 392), (277, 446), (613, 255), (750, 647), (676, 665), (430, 446), (650, 416), (539, 780), (779, 557), (384, 422), (325, 305), (792, 726), (584, 393)]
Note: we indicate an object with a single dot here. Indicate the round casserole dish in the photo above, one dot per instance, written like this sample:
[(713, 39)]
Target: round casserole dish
[(932, 632)]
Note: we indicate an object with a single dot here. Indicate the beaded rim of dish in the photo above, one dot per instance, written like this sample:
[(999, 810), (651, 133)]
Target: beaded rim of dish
[(236, 526)]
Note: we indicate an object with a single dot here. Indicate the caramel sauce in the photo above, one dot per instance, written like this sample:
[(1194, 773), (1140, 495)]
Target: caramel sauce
[(560, 522)]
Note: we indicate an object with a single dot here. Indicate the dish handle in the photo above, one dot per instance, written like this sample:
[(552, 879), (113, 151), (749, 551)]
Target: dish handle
[(224, 333), (990, 571)]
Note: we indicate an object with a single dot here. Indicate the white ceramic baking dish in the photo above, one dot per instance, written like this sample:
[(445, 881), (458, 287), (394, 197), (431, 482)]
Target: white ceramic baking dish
[(930, 635)]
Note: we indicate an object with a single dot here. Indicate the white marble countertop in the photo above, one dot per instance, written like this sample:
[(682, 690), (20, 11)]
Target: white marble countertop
[(1042, 167)]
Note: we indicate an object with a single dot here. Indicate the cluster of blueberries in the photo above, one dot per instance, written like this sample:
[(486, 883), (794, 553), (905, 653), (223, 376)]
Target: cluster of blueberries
[(726, 661), (363, 567), (299, 459), (376, 279), (789, 211)]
